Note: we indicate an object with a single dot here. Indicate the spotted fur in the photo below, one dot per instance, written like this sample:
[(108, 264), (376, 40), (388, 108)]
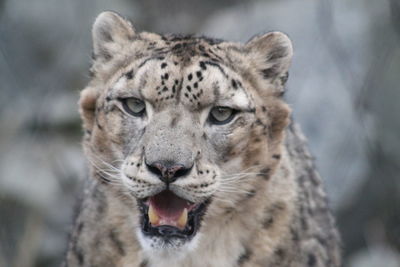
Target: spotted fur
[(267, 206)]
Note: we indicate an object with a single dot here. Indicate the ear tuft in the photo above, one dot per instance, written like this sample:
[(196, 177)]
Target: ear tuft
[(110, 32), (272, 54)]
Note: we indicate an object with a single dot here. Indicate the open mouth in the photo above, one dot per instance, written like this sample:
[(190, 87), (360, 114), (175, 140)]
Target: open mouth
[(168, 215)]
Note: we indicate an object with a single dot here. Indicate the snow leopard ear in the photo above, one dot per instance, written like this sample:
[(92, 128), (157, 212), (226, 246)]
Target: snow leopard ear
[(271, 53), (87, 106), (110, 33)]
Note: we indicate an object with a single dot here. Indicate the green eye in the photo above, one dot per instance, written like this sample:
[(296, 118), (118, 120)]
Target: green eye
[(134, 106), (221, 115)]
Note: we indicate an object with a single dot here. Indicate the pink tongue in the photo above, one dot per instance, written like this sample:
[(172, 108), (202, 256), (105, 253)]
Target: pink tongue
[(168, 205)]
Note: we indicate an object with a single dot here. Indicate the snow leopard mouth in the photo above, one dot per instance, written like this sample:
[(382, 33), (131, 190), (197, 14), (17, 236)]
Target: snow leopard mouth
[(168, 216)]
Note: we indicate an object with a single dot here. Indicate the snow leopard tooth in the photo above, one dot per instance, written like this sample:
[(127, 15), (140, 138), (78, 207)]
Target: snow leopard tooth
[(153, 217), (183, 219)]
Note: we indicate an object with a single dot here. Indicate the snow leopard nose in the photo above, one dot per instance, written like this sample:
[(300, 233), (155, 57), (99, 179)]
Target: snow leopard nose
[(168, 172)]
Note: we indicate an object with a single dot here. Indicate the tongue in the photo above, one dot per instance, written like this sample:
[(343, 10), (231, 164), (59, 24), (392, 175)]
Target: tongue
[(168, 205), (168, 209)]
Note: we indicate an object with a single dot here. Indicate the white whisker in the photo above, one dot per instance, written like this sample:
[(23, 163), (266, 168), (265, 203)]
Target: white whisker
[(106, 171)]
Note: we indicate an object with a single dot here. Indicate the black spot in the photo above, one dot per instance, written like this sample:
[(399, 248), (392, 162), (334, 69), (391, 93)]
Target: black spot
[(189, 88), (177, 46), (163, 65), (265, 173), (268, 222), (269, 73), (195, 85), (79, 254), (259, 122), (92, 74), (98, 125), (234, 84), (284, 78), (251, 193), (186, 94), (244, 257), (190, 76), (176, 81), (80, 227), (276, 156), (107, 56), (295, 235), (198, 73), (203, 65), (165, 89), (166, 76), (117, 242), (311, 260), (173, 122), (263, 108), (129, 75), (280, 253)]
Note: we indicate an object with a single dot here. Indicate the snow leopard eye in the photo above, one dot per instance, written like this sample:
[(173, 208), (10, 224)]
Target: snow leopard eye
[(134, 106), (221, 115)]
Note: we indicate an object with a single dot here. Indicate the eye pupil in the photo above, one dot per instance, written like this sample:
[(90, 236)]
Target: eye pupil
[(134, 106), (221, 115)]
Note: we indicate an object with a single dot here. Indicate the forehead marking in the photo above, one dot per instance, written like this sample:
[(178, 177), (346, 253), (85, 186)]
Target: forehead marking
[(193, 87), (214, 64), (149, 59)]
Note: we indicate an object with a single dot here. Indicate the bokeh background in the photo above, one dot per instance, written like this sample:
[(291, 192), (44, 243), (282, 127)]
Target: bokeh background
[(344, 89)]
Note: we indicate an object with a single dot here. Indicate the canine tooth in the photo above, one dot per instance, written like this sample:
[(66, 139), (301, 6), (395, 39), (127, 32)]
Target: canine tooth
[(183, 218), (153, 217)]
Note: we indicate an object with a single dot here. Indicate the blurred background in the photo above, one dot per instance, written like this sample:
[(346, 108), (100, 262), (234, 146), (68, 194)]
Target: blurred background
[(344, 89)]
